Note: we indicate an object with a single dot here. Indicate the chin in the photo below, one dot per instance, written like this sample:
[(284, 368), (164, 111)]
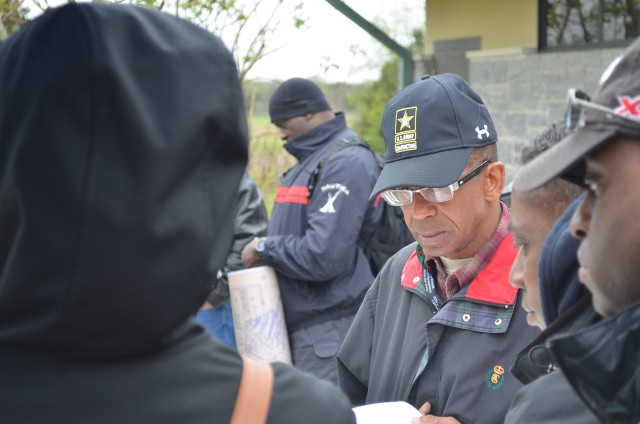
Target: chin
[(436, 253), (534, 321), (602, 306)]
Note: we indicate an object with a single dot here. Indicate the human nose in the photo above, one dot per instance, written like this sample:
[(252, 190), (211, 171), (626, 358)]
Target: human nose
[(421, 208), (516, 276), (581, 219), (283, 133)]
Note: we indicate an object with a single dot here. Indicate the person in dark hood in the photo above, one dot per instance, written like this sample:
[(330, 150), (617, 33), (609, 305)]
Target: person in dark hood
[(555, 301), (124, 139), (602, 361)]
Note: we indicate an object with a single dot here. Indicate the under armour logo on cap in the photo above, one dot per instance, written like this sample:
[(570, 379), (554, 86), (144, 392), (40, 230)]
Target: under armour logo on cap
[(480, 132)]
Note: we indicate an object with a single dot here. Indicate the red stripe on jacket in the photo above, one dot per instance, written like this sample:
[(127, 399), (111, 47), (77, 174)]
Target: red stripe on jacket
[(293, 194)]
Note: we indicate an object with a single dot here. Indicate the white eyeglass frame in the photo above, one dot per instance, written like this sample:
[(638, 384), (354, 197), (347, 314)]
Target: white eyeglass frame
[(403, 197)]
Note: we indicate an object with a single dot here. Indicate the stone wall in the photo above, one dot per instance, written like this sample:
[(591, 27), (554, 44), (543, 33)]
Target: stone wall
[(526, 91)]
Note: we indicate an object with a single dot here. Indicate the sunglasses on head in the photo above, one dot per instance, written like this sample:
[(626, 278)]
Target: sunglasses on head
[(578, 102)]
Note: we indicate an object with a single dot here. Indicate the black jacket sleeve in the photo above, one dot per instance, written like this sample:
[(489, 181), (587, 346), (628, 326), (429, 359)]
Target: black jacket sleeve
[(250, 221)]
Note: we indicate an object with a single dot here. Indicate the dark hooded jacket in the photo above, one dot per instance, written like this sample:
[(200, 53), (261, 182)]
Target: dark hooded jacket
[(602, 364), (566, 305), (123, 139)]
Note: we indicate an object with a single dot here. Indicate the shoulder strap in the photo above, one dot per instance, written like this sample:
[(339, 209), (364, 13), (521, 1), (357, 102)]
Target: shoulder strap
[(254, 395), (345, 142)]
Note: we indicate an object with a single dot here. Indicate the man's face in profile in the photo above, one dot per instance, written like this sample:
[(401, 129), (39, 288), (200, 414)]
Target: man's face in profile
[(607, 224), (530, 223)]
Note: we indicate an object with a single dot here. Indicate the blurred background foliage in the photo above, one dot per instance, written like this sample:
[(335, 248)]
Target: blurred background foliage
[(248, 27)]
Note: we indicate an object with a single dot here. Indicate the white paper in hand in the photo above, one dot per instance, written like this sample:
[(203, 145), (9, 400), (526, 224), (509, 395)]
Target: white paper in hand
[(385, 413)]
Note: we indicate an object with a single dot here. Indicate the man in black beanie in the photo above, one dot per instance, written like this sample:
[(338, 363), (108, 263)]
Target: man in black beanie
[(320, 223), (296, 97)]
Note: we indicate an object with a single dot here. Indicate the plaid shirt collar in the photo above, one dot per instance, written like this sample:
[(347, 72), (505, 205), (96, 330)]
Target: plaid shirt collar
[(449, 286)]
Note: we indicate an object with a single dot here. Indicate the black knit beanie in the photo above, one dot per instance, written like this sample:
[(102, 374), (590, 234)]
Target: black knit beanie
[(296, 97)]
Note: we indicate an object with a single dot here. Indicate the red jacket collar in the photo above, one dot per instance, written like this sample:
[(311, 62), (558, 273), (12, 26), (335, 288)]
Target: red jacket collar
[(491, 285)]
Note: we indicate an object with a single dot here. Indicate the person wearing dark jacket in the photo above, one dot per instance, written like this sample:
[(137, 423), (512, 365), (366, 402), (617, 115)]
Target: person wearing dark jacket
[(441, 324), (250, 221), (317, 232), (602, 362), (124, 138), (546, 270)]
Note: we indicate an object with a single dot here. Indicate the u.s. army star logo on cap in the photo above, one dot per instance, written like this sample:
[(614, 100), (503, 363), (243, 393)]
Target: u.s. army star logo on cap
[(405, 129)]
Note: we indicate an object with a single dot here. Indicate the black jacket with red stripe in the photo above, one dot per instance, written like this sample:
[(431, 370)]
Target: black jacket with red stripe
[(314, 239)]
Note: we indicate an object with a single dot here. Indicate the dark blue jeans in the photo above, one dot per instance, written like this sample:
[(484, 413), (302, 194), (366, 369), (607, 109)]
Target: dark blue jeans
[(219, 322)]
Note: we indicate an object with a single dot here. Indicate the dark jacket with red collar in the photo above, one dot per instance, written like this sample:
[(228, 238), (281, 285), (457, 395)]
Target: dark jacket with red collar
[(471, 342)]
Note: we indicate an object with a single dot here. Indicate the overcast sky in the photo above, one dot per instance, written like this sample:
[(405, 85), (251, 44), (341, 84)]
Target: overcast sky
[(332, 41), (331, 46)]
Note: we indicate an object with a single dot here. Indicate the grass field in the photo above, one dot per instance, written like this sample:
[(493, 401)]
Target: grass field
[(267, 158)]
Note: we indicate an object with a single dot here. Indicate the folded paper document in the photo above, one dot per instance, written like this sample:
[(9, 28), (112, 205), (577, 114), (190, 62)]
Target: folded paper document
[(385, 413)]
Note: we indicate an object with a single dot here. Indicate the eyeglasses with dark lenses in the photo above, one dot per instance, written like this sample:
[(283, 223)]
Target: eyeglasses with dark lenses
[(403, 197), (578, 101)]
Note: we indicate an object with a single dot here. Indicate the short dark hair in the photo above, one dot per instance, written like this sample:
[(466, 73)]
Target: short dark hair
[(557, 194), (551, 136), (480, 154)]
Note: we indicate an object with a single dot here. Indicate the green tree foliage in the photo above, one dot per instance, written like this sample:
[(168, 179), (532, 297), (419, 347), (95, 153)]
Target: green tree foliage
[(13, 15), (369, 102)]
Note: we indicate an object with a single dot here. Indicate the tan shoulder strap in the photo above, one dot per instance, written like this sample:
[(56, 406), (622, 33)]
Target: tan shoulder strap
[(254, 395)]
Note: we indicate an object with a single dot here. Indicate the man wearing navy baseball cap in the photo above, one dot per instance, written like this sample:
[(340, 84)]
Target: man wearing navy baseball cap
[(441, 324), (603, 154)]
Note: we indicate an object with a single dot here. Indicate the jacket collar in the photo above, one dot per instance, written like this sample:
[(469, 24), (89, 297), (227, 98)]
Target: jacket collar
[(306, 144), (491, 285)]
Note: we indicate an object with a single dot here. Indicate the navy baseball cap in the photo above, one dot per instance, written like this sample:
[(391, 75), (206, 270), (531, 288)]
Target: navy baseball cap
[(613, 112), (430, 129)]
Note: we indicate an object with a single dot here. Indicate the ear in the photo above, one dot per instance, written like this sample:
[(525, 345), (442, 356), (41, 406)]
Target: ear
[(494, 180)]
